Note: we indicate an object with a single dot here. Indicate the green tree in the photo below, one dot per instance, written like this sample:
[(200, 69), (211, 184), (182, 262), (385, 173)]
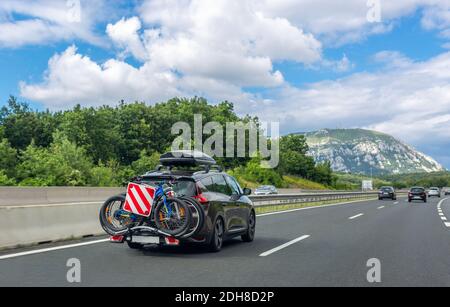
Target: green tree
[(145, 163), (63, 164), (8, 158)]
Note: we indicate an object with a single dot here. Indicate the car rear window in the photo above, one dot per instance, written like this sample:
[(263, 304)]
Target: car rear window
[(417, 190), (181, 187), (386, 189)]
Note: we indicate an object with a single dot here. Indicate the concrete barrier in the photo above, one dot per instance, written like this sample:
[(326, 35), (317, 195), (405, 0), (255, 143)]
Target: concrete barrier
[(17, 196), (23, 225)]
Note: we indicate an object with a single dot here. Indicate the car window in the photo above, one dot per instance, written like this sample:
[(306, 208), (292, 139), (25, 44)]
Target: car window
[(206, 184), (220, 185), (235, 188), (181, 187), (417, 190)]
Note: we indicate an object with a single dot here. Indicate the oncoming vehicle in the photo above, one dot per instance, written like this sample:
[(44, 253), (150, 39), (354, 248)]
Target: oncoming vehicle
[(387, 192), (219, 208), (417, 193), (446, 191), (266, 190), (434, 192)]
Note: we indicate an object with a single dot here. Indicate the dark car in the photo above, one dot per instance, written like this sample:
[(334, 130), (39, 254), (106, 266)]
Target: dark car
[(417, 193), (446, 191), (226, 209), (387, 192)]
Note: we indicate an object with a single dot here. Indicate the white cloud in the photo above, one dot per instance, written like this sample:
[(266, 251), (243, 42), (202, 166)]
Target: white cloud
[(410, 101), (44, 21), (217, 49), (342, 22), (125, 34)]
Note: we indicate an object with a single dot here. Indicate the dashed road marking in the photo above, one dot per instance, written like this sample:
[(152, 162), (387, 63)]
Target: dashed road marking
[(355, 216), (39, 251), (381, 207), (441, 213), (276, 249)]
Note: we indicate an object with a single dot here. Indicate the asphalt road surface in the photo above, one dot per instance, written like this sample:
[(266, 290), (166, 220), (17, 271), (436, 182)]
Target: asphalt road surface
[(327, 246)]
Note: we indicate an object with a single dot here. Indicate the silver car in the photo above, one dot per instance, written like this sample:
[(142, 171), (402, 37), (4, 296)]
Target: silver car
[(434, 192), (266, 190)]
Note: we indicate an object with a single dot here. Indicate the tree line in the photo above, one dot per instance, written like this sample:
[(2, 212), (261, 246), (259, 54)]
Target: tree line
[(105, 146)]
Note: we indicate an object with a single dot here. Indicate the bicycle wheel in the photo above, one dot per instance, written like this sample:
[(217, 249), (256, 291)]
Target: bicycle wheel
[(197, 216), (112, 222), (174, 217)]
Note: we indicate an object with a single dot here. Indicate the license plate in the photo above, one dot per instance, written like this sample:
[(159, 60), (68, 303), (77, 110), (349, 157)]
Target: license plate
[(145, 239)]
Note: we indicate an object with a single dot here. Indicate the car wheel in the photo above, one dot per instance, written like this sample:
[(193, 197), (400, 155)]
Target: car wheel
[(217, 238), (249, 236)]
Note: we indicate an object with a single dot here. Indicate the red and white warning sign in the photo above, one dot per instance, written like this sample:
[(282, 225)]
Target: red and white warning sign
[(139, 199)]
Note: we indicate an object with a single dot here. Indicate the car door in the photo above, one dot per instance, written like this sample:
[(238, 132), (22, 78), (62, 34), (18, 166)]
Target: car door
[(242, 205), (228, 203)]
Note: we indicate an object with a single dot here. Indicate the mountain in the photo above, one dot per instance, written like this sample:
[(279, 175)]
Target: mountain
[(365, 151)]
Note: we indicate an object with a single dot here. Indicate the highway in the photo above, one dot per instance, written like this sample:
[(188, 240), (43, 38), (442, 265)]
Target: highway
[(327, 246)]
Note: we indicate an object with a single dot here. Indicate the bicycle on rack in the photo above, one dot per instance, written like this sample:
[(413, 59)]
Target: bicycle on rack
[(154, 209)]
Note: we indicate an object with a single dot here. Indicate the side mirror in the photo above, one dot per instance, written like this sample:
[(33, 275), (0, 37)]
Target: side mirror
[(247, 191)]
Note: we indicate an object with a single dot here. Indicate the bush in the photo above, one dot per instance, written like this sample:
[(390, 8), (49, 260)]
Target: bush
[(4, 180)]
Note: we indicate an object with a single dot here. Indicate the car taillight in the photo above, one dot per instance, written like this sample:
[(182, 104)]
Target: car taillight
[(201, 199)]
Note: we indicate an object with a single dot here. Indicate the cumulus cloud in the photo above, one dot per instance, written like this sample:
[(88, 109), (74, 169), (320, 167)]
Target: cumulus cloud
[(410, 101), (125, 34), (218, 49), (44, 21)]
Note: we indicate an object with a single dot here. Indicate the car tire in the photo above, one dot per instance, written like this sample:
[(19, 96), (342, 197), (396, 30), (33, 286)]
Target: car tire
[(217, 237), (249, 236)]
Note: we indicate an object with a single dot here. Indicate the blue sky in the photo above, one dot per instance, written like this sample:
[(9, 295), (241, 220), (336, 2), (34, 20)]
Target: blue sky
[(307, 64)]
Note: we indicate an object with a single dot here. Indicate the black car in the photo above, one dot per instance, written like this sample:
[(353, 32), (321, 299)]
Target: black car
[(226, 209), (417, 193), (387, 192)]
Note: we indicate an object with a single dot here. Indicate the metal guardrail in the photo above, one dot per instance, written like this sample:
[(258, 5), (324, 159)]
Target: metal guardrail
[(283, 199)]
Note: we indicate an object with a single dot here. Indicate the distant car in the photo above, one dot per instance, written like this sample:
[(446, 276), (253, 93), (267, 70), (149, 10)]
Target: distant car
[(434, 192), (417, 193), (446, 191), (266, 190), (387, 192)]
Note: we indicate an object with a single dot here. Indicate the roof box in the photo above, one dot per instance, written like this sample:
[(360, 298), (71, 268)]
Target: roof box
[(186, 158)]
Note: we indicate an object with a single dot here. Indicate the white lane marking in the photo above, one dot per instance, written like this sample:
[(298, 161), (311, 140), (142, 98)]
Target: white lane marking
[(45, 250), (316, 207), (441, 214), (381, 207), (276, 249), (355, 216), (49, 205)]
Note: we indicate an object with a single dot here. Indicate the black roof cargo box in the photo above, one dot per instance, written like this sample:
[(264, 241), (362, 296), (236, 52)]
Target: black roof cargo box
[(186, 158)]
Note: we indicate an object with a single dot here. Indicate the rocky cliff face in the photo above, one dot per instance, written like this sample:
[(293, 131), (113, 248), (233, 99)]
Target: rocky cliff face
[(365, 151)]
